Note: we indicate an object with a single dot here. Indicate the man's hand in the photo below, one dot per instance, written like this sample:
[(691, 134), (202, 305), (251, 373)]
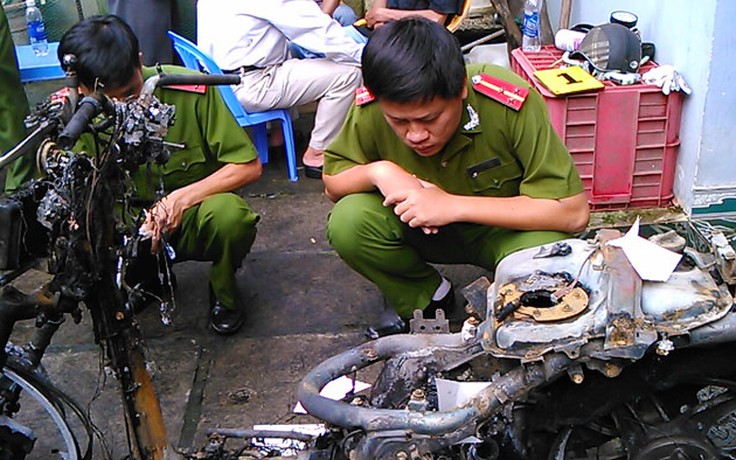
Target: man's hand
[(163, 218), (376, 17), (429, 207)]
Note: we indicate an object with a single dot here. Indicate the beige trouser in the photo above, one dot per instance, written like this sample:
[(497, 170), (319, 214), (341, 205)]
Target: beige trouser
[(301, 81)]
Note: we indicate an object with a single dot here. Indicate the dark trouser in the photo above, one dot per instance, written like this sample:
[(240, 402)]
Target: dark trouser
[(372, 240)]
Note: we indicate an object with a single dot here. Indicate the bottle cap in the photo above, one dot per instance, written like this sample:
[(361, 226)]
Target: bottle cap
[(30, 2)]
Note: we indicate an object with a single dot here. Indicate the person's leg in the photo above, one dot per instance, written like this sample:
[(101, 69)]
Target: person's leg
[(300, 81), (372, 241), (344, 15), (221, 229), (13, 108), (150, 20)]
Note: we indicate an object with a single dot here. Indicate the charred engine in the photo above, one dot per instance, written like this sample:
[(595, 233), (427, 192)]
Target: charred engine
[(570, 356)]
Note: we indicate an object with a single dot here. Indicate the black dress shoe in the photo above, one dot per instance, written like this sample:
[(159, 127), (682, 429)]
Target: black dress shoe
[(388, 324), (391, 323), (447, 304), (313, 172), (223, 320)]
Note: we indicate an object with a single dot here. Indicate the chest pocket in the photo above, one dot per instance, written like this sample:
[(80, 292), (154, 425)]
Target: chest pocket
[(186, 166), (500, 180)]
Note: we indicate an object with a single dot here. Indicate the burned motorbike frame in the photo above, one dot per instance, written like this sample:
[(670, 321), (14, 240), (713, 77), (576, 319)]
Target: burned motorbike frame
[(582, 360)]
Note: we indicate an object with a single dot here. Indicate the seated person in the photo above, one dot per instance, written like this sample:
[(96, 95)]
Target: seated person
[(200, 214), (338, 11), (430, 168), (440, 11), (253, 39)]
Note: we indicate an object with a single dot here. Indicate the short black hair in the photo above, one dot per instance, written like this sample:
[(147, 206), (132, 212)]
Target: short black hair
[(106, 51), (413, 59)]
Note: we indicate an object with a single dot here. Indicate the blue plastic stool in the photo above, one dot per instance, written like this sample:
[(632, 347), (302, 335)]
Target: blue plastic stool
[(194, 58)]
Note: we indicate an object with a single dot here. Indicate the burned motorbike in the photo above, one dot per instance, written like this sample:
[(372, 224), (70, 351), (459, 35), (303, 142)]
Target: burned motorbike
[(79, 216), (568, 354)]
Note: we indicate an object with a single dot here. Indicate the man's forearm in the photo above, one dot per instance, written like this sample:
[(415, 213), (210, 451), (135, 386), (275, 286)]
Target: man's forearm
[(428, 14), (569, 214), (383, 176), (329, 6), (230, 177)]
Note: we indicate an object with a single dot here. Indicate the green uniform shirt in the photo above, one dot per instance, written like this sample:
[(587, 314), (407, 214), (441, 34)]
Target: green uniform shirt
[(209, 132), (204, 124), (500, 153)]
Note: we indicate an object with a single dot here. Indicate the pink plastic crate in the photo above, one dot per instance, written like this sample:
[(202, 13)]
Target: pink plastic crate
[(623, 139)]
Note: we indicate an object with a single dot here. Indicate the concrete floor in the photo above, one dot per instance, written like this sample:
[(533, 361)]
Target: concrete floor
[(304, 305)]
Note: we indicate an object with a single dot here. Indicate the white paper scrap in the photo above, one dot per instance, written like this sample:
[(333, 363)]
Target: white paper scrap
[(287, 446), (452, 394), (651, 261), (336, 390)]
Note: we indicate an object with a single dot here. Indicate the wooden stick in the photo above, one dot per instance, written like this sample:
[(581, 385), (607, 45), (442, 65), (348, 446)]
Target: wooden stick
[(565, 14), (513, 33)]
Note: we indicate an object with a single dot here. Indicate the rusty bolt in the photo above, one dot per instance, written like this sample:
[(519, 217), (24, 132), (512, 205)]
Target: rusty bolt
[(612, 370), (371, 353), (418, 394)]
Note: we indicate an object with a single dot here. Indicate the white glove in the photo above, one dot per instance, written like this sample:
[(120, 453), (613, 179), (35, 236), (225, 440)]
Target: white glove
[(667, 78)]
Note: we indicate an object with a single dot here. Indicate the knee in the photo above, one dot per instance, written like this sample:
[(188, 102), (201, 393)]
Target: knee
[(228, 217), (355, 220), (352, 77)]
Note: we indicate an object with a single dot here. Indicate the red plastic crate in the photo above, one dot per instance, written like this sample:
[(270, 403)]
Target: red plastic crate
[(623, 139)]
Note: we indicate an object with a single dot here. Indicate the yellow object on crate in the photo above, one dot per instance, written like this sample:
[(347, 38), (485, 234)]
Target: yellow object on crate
[(568, 80)]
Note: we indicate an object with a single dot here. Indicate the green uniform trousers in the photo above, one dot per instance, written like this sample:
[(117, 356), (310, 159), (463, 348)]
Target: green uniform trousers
[(13, 102), (221, 229), (372, 240)]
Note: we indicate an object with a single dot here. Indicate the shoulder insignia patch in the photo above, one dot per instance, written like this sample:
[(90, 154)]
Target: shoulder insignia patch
[(501, 91), (60, 95), (199, 89), (363, 96)]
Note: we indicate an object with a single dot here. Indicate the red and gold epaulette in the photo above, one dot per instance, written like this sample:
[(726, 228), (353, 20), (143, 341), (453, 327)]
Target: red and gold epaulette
[(199, 89), (363, 96), (499, 90), (60, 95)]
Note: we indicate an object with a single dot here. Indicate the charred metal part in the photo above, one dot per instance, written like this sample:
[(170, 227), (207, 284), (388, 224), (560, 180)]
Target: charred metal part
[(558, 249), (246, 433), (476, 293), (576, 373), (664, 347), (702, 260), (418, 401), (670, 240), (632, 317), (624, 336), (725, 256), (536, 297), (437, 325), (469, 330), (344, 415)]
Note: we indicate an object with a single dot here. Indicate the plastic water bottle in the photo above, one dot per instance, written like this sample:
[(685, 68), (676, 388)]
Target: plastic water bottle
[(531, 41), (36, 29)]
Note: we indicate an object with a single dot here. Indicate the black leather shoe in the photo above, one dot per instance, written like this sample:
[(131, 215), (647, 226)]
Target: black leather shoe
[(223, 320), (313, 172), (388, 324), (447, 304)]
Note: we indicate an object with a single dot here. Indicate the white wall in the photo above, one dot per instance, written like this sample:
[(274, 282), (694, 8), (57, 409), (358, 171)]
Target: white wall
[(697, 39)]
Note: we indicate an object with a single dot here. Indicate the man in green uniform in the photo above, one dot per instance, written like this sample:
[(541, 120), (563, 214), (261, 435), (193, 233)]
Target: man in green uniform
[(13, 102), (199, 213), (431, 168)]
